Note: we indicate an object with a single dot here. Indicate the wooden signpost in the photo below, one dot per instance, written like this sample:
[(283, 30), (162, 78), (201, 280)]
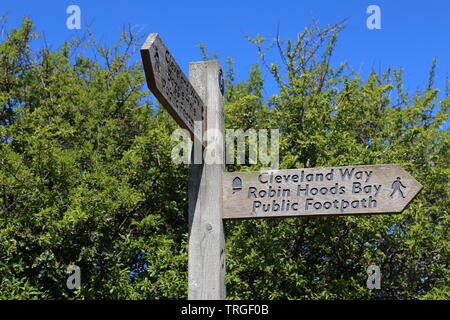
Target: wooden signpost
[(185, 101), (353, 190), (214, 195)]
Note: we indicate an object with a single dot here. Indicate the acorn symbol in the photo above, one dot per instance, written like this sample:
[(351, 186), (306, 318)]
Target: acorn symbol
[(237, 185)]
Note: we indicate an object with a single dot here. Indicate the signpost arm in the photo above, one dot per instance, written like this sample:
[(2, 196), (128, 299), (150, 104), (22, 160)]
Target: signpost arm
[(206, 270)]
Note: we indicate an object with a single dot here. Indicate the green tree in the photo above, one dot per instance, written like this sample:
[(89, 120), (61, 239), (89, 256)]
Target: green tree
[(86, 176), (329, 117)]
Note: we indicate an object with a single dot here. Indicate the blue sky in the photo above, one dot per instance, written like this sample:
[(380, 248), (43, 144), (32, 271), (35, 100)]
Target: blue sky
[(412, 32)]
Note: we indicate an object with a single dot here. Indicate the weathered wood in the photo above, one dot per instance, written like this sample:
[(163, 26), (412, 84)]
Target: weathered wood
[(206, 279), (352, 190), (171, 87)]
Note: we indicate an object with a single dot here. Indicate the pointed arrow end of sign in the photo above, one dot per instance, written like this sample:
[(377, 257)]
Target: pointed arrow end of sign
[(409, 183)]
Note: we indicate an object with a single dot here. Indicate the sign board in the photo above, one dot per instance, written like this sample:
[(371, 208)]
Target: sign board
[(351, 190), (167, 82)]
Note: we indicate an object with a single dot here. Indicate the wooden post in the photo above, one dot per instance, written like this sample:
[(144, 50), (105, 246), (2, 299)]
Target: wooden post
[(206, 280)]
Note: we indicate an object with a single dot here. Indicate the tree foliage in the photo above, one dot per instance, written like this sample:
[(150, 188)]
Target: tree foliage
[(86, 176)]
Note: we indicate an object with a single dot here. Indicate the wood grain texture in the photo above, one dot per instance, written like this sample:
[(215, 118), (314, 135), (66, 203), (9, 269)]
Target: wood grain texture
[(167, 82), (206, 271), (351, 190)]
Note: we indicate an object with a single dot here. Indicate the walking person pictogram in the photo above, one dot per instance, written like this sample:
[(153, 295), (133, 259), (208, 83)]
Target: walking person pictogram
[(397, 185)]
